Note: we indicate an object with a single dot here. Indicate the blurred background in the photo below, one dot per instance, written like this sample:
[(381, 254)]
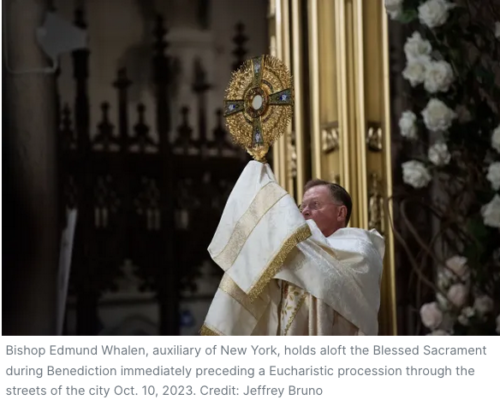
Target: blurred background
[(117, 163)]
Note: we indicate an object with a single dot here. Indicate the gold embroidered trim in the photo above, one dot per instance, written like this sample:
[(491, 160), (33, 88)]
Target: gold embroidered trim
[(206, 331), (294, 313), (232, 289), (276, 263), (265, 199)]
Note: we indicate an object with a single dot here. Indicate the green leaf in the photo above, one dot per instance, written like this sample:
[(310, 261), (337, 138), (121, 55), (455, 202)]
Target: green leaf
[(477, 229), (485, 76), (408, 16)]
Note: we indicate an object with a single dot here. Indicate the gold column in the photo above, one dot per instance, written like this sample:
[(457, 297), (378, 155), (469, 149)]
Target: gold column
[(327, 91), (298, 81), (388, 310), (372, 134), (275, 19), (314, 78), (344, 122), (279, 27), (359, 153)]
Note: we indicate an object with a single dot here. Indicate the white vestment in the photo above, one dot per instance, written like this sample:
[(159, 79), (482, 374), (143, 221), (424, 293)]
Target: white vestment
[(282, 275)]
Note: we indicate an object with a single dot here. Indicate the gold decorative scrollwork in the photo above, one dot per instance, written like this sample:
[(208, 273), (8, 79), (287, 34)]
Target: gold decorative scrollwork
[(375, 204), (374, 137), (330, 138)]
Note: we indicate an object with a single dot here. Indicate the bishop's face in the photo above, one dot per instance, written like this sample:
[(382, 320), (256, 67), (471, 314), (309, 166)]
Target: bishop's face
[(328, 213)]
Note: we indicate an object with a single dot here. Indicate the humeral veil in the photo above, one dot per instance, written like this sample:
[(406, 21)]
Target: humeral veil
[(282, 275)]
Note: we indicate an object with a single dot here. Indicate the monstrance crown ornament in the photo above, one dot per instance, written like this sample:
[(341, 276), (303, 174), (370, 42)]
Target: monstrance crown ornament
[(259, 104)]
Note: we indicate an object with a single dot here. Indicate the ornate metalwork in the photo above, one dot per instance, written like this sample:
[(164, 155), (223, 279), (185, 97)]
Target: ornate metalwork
[(374, 137), (106, 201), (142, 141), (259, 104), (330, 138), (375, 204), (105, 139), (148, 205), (130, 189)]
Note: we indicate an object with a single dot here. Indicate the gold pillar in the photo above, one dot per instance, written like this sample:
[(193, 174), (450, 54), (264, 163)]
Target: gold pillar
[(347, 115), (298, 82)]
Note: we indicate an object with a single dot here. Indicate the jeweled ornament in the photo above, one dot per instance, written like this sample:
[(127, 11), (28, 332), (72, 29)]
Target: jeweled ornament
[(259, 104)]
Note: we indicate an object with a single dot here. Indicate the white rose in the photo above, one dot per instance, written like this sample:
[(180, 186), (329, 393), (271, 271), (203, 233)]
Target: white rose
[(438, 76), (465, 316), (407, 125), (498, 324), (458, 265), (394, 8), (417, 48), (434, 13), (444, 278), (457, 294), (437, 116), (483, 304), (497, 29), (491, 212), (431, 315), (444, 303), (468, 312), (495, 139), (438, 154), (415, 72), (438, 332), (416, 174), (494, 175)]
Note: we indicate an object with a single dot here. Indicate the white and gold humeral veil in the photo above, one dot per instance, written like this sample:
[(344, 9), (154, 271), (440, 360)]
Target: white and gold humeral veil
[(282, 276)]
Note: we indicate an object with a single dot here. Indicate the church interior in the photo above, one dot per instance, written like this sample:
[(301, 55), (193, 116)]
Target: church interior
[(117, 161)]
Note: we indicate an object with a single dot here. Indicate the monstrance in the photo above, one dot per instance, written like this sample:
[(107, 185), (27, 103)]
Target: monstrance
[(259, 104)]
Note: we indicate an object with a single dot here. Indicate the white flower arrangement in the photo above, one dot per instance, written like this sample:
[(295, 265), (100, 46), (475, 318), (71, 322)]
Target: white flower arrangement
[(483, 304), (415, 72), (439, 154), (434, 13), (438, 76), (458, 266), (431, 315), (394, 8), (465, 316), (416, 174), (491, 212), (437, 116), (459, 158), (494, 175), (407, 125), (416, 48)]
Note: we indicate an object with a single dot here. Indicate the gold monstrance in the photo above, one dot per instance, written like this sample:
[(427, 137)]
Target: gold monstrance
[(259, 104)]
